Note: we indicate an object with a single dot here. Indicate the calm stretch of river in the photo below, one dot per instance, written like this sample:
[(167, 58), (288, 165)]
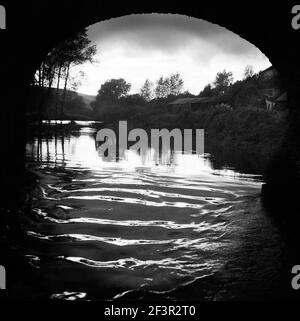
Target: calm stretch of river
[(137, 229)]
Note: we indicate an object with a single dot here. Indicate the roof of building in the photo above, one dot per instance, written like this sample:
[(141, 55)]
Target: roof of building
[(269, 70), (182, 101), (282, 98)]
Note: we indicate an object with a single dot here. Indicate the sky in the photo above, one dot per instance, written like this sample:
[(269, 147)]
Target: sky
[(147, 46)]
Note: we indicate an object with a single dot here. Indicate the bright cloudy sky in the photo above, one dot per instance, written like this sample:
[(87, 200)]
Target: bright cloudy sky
[(138, 47)]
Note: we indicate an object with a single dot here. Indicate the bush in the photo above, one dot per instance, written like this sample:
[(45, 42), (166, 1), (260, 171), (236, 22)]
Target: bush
[(252, 133)]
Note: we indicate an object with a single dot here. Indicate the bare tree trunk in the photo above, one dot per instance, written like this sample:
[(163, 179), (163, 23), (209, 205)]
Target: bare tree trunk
[(51, 78), (57, 89), (40, 100), (39, 92), (65, 90), (42, 103)]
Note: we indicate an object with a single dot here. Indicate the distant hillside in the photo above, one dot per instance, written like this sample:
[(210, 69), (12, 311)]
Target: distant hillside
[(87, 99), (75, 105)]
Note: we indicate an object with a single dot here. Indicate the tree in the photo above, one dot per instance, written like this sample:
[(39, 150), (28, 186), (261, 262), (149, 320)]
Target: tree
[(162, 89), (207, 91), (249, 72), (76, 80), (48, 71), (73, 51), (222, 81), (111, 92), (186, 94), (76, 50), (175, 84), (147, 90), (247, 95), (113, 89), (171, 85), (132, 100)]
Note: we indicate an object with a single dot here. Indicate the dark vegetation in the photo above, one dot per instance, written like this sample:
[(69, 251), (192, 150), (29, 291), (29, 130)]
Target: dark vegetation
[(52, 88), (246, 138), (75, 106), (238, 129)]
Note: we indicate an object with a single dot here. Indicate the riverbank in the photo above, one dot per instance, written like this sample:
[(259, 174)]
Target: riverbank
[(245, 138)]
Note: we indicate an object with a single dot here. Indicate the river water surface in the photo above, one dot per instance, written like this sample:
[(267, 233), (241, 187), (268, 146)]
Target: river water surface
[(142, 229)]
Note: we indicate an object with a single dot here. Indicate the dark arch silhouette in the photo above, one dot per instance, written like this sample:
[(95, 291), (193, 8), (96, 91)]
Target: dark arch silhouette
[(34, 29)]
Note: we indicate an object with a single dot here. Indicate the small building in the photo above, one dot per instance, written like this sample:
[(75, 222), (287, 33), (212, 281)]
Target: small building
[(269, 73), (270, 104), (280, 102), (192, 104), (272, 94)]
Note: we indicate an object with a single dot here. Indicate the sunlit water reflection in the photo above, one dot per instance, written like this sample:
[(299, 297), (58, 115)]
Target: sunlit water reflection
[(138, 228)]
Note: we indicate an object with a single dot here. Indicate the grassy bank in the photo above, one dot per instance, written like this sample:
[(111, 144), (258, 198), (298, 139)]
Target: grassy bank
[(245, 138)]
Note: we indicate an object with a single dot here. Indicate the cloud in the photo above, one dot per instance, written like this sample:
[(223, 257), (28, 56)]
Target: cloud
[(168, 34), (143, 46)]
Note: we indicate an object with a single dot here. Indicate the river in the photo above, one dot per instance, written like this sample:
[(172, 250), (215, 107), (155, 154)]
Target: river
[(139, 229)]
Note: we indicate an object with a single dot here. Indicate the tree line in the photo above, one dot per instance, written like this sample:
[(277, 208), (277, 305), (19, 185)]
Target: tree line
[(116, 91), (54, 71)]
